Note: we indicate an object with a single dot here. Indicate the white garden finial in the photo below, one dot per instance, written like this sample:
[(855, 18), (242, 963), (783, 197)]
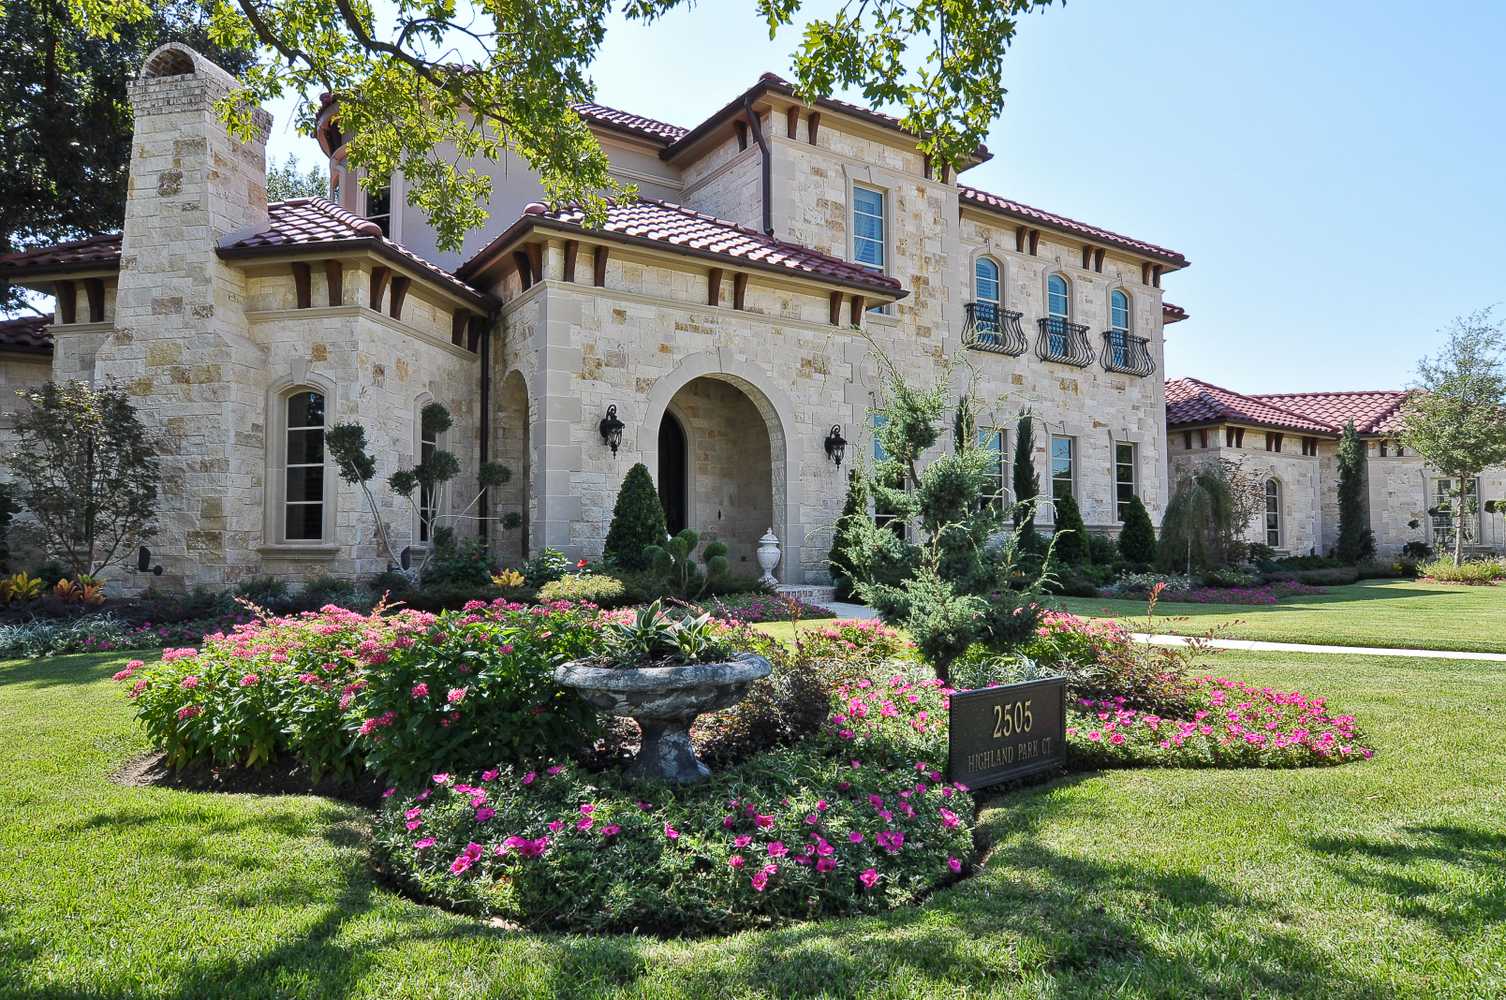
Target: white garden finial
[(768, 557)]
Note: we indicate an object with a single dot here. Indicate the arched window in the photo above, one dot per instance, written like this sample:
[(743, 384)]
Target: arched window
[(1119, 327), (303, 495), (986, 294), (1058, 297), (1273, 513)]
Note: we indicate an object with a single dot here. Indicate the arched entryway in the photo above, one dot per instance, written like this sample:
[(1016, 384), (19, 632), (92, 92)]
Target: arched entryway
[(716, 466), (512, 501), (673, 474)]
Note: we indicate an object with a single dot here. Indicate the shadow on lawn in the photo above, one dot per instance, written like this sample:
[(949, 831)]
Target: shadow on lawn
[(1434, 873), (67, 671)]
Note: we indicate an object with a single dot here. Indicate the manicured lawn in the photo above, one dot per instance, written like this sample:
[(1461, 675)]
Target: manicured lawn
[(1374, 880), (1395, 614)]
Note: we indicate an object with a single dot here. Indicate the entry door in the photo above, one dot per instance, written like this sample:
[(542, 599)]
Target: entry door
[(673, 474)]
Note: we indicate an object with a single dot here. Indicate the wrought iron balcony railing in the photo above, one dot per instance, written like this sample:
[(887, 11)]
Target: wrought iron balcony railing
[(990, 328), (1064, 342), (1130, 355)]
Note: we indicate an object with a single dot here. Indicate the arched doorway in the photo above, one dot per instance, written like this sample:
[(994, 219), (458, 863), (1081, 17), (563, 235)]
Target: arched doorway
[(716, 466), (673, 479)]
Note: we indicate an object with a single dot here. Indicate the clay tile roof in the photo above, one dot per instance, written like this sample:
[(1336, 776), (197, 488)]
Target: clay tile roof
[(26, 335), (314, 222), (1018, 210), (1372, 412), (80, 255), (1192, 401), (1172, 313), (648, 221), (649, 128)]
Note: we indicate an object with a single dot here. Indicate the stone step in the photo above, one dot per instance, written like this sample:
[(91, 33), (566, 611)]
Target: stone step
[(809, 593)]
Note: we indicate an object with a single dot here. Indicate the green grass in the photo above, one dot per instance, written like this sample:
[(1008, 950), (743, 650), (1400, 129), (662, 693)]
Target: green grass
[(1380, 879), (1394, 614)]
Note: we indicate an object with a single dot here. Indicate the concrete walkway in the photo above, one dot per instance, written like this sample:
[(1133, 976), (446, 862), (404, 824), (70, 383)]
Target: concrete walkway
[(843, 610), (1307, 647)]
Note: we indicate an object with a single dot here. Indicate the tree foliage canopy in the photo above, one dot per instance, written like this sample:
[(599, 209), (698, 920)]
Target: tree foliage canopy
[(428, 84), (290, 180), (65, 144), (1456, 418), (88, 473)]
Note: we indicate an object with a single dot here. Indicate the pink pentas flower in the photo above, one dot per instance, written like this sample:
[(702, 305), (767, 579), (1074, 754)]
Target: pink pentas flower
[(457, 695), (760, 881), (441, 778), (741, 840), (250, 680), (188, 711), (611, 830), (530, 778), (190, 682), (388, 793), (419, 690), (763, 821), (954, 864)]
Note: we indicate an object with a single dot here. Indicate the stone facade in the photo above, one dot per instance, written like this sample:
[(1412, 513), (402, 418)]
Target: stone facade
[(755, 369)]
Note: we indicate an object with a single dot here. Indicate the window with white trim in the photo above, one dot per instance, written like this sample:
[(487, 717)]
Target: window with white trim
[(1058, 297), (883, 515), (379, 207), (986, 294), (1063, 466), (991, 440), (1119, 326), (428, 444), (1273, 513), (1124, 477), (304, 473), (868, 228)]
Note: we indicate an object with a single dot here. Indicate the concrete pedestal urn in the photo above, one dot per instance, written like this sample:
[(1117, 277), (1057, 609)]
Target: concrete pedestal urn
[(664, 701)]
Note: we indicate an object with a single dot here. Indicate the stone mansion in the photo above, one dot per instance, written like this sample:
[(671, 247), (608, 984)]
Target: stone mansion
[(726, 320)]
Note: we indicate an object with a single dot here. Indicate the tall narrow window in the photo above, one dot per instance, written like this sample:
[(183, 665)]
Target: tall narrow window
[(379, 208), (1119, 327), (986, 294), (1444, 514), (303, 489), (991, 440), (1062, 466), (1124, 477), (868, 227), (883, 515), (1059, 311), (1273, 513), (428, 444)]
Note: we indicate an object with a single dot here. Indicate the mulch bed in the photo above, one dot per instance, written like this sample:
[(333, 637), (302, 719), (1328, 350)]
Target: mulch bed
[(280, 777)]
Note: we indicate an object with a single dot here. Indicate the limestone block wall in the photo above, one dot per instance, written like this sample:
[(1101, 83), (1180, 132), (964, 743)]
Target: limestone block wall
[(1300, 476), (728, 183), (1401, 489), (730, 479)]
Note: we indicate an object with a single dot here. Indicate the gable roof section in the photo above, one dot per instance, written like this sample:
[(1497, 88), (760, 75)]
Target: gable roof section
[(663, 225), (773, 83), (93, 253), (1192, 401), (316, 224), (651, 129), (26, 335), (1050, 220), (1372, 412)]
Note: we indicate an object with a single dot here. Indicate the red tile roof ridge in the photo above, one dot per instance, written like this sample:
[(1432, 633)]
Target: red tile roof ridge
[(1219, 404), (988, 199)]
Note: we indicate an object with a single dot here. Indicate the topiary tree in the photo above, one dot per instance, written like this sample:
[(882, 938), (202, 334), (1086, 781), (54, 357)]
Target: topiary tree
[(431, 478), (674, 562), (1027, 482), (87, 471), (1137, 539), (637, 522), (843, 540), (1356, 540), (1071, 535)]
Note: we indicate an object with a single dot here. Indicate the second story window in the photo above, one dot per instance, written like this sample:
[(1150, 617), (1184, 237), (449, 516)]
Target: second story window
[(379, 207), (1119, 328), (868, 228), (986, 293), (1058, 298)]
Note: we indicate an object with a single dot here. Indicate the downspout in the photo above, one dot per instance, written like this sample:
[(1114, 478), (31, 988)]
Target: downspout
[(767, 176), (484, 437)]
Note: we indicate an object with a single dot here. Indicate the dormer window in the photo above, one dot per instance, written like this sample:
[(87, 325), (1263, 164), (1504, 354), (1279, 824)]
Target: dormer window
[(379, 207)]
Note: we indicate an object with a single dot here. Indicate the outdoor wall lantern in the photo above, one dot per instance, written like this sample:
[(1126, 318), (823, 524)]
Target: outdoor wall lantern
[(611, 429), (836, 445)]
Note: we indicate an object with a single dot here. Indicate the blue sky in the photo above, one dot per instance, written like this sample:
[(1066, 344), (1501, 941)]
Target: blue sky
[(1336, 172)]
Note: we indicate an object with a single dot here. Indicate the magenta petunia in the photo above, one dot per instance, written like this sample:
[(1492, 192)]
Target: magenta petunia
[(869, 878)]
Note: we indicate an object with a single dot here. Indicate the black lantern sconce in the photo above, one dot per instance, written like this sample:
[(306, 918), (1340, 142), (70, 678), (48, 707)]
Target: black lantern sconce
[(836, 445), (144, 562), (611, 429)]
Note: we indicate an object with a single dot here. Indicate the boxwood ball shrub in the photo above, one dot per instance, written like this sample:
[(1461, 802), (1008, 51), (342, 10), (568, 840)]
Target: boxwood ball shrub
[(856, 820), (399, 693)]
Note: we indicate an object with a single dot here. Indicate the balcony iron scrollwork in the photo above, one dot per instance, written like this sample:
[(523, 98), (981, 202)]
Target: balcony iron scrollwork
[(1064, 342), (990, 328), (1127, 354)]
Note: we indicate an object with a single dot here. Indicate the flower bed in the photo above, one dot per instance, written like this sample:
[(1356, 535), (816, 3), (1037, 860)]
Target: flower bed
[(855, 820), (755, 606), (1233, 724)]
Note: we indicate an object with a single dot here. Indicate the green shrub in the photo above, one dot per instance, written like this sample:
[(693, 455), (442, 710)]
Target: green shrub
[(1472, 571), (637, 522), (457, 562), (89, 633), (676, 565), (324, 590), (1101, 661), (857, 820), (599, 589), (546, 567), (1230, 576), (1400, 568), (265, 591), (844, 541), (1102, 550), (1070, 536), (1356, 540), (1137, 539), (399, 694), (1333, 577), (1417, 551)]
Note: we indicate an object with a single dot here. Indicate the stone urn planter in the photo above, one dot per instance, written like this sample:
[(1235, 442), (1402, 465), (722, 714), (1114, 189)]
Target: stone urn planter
[(664, 701)]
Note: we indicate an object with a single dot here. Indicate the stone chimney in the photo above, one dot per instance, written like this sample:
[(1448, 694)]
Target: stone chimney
[(181, 342)]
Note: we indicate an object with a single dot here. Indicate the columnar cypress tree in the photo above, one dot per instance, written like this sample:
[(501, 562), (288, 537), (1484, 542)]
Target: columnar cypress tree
[(1137, 539), (1027, 482), (1071, 534), (637, 521), (840, 558), (1356, 540)]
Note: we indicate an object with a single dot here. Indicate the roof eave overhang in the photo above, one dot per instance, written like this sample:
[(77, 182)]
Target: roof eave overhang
[(21, 276), (1170, 262), (499, 247), (366, 244)]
